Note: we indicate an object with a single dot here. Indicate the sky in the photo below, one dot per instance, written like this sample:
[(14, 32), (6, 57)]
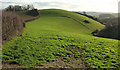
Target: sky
[(71, 5)]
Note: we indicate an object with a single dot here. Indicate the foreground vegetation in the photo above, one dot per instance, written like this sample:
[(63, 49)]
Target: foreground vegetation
[(60, 33)]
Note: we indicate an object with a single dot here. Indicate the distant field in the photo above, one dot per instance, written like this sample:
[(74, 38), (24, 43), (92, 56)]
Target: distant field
[(23, 14), (60, 39), (28, 14)]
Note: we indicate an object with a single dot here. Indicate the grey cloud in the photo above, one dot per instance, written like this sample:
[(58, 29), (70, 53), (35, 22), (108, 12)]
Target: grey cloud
[(42, 5), (6, 4), (55, 5)]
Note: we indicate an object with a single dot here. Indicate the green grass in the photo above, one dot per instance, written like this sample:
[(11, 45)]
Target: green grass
[(53, 34), (60, 20)]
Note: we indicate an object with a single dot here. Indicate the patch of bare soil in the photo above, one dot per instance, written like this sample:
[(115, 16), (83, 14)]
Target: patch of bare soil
[(7, 65), (74, 63)]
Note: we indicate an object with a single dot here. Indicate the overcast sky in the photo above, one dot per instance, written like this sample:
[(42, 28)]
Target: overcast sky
[(71, 5)]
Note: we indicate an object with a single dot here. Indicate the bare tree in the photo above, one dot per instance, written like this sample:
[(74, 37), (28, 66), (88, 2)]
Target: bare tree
[(30, 7)]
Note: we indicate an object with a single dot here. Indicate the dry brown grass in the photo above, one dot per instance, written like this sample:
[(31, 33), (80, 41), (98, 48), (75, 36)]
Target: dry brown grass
[(12, 25)]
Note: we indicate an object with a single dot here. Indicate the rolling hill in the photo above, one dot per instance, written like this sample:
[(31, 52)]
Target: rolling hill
[(61, 39), (71, 22)]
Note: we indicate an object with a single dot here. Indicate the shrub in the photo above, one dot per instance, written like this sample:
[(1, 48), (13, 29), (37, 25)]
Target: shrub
[(12, 25)]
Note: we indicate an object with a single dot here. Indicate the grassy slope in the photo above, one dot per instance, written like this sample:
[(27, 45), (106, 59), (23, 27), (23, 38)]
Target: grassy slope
[(71, 22), (60, 33)]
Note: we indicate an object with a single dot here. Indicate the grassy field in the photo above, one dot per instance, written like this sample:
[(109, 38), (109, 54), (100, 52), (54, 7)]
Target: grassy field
[(63, 36)]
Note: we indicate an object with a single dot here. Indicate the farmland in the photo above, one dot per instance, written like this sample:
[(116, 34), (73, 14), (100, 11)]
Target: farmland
[(62, 34)]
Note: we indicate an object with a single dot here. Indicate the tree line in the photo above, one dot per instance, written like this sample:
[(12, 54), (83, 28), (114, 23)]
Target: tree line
[(19, 8)]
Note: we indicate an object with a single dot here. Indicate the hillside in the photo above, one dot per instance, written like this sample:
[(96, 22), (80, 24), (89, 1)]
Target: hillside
[(110, 21), (112, 29), (61, 39), (71, 22)]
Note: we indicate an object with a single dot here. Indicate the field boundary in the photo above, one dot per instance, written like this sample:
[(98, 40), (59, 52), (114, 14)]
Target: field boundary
[(34, 18)]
